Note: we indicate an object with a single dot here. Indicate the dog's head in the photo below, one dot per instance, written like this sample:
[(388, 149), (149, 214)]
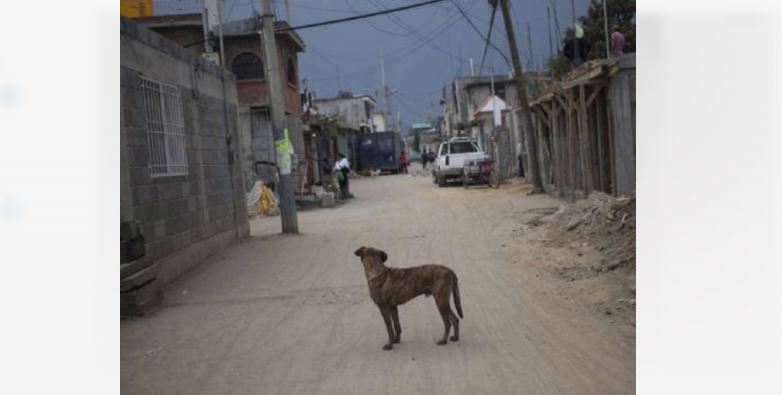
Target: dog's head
[(371, 253)]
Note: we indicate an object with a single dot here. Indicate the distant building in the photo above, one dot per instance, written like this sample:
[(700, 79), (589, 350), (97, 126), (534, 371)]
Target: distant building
[(380, 122), (352, 115), (465, 114)]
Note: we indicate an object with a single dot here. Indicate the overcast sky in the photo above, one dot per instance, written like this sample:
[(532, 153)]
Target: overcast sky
[(424, 48)]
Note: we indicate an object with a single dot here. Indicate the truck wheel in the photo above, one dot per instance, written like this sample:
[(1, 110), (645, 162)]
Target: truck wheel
[(441, 181)]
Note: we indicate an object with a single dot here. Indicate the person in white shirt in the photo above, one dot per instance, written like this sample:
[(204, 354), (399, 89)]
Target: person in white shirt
[(343, 167)]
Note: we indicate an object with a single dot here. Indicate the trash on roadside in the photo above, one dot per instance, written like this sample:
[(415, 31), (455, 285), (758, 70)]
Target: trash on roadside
[(261, 200)]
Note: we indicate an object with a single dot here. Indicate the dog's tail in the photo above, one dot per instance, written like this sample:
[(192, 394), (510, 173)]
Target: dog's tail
[(456, 299)]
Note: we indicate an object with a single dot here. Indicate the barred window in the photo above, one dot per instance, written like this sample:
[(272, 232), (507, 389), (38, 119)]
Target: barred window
[(292, 78), (165, 128), (247, 66)]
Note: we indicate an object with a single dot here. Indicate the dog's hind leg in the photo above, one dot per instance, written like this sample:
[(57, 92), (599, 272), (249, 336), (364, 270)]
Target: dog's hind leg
[(455, 322), (386, 313), (397, 327), (445, 313)]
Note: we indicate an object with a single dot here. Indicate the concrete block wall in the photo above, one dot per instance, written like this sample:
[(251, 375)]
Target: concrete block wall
[(184, 219), (621, 91)]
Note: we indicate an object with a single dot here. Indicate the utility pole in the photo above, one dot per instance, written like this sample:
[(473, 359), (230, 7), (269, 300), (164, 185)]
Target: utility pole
[(205, 22), (386, 109), (220, 26), (529, 48), (576, 49), (521, 94), (383, 81), (550, 45), (605, 26), (558, 30), (288, 216)]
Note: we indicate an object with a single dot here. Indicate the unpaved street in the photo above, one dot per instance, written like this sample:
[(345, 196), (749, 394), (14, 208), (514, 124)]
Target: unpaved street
[(291, 314)]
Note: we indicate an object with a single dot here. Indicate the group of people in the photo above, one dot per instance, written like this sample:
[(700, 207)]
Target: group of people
[(577, 47), (336, 175), (427, 156)]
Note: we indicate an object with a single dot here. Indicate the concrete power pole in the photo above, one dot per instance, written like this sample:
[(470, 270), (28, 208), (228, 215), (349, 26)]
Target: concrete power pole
[(386, 108), (288, 216), (521, 94)]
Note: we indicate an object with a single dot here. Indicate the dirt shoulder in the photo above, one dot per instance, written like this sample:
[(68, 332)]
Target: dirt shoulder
[(584, 253)]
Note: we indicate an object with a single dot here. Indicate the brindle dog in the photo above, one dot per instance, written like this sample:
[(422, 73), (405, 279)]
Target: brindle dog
[(390, 287)]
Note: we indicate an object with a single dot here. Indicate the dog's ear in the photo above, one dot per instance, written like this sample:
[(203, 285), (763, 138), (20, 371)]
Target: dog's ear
[(383, 255), (360, 251)]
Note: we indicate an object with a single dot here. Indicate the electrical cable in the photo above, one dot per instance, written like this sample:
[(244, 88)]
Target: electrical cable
[(488, 37), (357, 17), (464, 14)]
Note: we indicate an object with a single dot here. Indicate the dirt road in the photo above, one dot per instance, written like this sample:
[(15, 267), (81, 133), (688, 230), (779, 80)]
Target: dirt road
[(291, 314)]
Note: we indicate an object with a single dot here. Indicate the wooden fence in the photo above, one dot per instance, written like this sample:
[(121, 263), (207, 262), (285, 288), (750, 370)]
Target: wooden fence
[(586, 130)]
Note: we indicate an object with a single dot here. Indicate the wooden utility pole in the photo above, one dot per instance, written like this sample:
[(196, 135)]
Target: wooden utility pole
[(550, 45), (288, 216), (521, 95), (605, 26)]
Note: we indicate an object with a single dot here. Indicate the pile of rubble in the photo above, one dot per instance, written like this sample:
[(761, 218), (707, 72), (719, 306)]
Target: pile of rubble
[(602, 221)]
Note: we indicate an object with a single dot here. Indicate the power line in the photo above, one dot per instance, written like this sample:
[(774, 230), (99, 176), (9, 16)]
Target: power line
[(309, 7), (407, 27), (488, 37), (347, 2), (464, 14), (356, 17)]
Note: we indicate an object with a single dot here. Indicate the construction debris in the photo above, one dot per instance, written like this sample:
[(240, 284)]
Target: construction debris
[(602, 221)]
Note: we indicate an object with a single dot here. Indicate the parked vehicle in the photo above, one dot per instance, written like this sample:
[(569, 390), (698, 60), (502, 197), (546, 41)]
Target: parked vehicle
[(379, 151), (452, 156), (482, 171)]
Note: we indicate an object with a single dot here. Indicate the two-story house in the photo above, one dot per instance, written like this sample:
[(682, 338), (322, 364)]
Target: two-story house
[(244, 56)]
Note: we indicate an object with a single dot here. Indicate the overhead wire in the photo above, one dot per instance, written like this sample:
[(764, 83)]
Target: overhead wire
[(467, 18), (488, 37), (347, 2), (407, 27), (357, 17)]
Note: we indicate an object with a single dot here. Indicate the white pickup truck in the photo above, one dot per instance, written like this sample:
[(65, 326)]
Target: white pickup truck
[(451, 158)]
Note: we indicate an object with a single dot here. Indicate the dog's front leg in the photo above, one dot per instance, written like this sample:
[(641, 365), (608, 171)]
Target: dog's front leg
[(397, 327), (386, 313)]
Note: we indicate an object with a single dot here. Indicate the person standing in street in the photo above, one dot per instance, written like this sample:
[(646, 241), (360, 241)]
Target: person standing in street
[(617, 42), (328, 172), (403, 161), (343, 167)]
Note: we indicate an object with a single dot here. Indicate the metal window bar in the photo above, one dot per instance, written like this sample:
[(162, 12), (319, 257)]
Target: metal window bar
[(165, 128)]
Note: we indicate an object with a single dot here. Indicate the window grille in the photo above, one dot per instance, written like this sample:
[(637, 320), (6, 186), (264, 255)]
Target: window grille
[(165, 128), (292, 78), (247, 66)]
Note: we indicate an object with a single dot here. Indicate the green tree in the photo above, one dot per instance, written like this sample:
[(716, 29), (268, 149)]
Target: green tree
[(557, 66), (620, 12), (416, 141)]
